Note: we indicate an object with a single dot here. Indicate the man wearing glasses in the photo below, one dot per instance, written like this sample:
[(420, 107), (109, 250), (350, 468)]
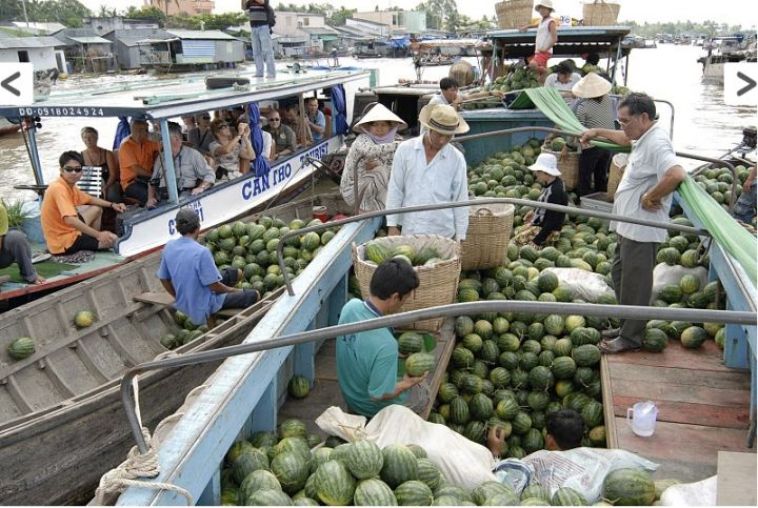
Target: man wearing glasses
[(68, 228), (284, 137), (645, 192)]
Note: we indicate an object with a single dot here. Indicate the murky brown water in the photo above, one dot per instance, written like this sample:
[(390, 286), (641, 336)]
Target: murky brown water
[(704, 125)]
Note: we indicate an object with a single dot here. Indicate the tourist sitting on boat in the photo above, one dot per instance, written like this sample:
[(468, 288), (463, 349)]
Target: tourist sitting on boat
[(193, 174), (188, 123), (231, 153), (563, 79), (70, 217), (371, 155), (652, 174), (745, 207), (283, 136), (200, 137), (136, 156), (428, 170), (367, 361), (291, 118), (543, 226), (14, 248), (547, 37), (94, 155), (315, 119), (595, 110), (189, 274)]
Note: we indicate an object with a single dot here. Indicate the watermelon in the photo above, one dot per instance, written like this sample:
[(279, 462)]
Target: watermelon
[(414, 493), (547, 282), (374, 492), (472, 342), (592, 414), (263, 438), (554, 324), (586, 355), (364, 459), (448, 391), (693, 337), (249, 460), (566, 496), (668, 255), (629, 487), (291, 471), (655, 340), (535, 490), (410, 342), (521, 423), (464, 325), (689, 284), (429, 473), (258, 480), (297, 444), (299, 387), (84, 318), (400, 464), (268, 497), (670, 293), (21, 348), (563, 367), (419, 364), (334, 484), (597, 435), (292, 427), (541, 378), (489, 490), (320, 455), (376, 252), (236, 450)]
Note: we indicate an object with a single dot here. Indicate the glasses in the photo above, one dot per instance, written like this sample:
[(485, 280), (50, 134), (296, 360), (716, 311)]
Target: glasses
[(274, 119), (72, 169)]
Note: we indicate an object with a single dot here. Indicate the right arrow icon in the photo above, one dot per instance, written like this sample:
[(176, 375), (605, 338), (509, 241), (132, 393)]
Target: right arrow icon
[(750, 84)]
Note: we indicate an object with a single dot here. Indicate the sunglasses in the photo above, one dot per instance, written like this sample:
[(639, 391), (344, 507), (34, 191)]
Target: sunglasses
[(72, 169)]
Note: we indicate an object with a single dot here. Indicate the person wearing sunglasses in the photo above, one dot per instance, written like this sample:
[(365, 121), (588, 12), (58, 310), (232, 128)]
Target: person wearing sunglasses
[(284, 138), (70, 217), (231, 153), (200, 137)]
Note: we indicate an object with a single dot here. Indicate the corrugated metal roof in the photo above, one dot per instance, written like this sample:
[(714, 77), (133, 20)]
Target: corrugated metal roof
[(29, 42), (90, 40), (134, 36), (201, 34), (319, 30)]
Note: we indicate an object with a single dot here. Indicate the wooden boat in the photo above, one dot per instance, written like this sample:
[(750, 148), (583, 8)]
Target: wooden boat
[(7, 128), (61, 421)]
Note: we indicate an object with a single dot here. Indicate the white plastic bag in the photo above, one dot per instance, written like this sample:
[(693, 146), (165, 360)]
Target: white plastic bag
[(702, 493), (582, 469), (583, 284), (461, 462), (664, 274)]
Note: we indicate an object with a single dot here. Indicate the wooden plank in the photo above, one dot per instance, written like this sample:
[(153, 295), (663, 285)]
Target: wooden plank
[(611, 438), (707, 358), (154, 298), (324, 394), (691, 413), (731, 379), (655, 391), (736, 479), (685, 452)]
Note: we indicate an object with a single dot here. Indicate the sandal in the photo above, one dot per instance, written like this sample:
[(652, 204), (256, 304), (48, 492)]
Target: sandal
[(610, 333), (617, 345)]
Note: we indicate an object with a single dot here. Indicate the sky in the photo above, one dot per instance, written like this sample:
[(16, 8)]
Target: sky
[(732, 12)]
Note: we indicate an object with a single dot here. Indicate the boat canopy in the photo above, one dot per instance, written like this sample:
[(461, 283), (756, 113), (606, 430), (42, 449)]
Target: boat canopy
[(573, 41)]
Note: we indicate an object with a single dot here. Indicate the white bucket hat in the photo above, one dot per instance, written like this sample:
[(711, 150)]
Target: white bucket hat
[(379, 113), (590, 86), (544, 3), (547, 163), (442, 118)]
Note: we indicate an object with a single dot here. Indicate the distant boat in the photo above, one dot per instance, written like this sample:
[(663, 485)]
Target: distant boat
[(7, 128)]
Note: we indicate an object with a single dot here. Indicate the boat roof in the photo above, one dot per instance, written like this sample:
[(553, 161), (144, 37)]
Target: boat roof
[(572, 40), (161, 98)]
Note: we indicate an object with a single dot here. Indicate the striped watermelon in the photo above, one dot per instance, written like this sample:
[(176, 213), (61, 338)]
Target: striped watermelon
[(488, 490), (268, 497), (410, 342), (418, 364), (291, 471), (374, 492), (299, 387), (249, 460), (563, 367), (364, 459), (297, 444), (536, 490), (566, 496), (459, 411), (629, 487), (400, 464), (428, 473), (292, 427), (334, 484), (417, 450), (304, 501), (258, 480), (236, 449), (414, 493)]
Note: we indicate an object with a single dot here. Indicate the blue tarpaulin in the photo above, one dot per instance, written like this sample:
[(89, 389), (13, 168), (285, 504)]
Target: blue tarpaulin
[(122, 132), (400, 42), (260, 164), (340, 109)]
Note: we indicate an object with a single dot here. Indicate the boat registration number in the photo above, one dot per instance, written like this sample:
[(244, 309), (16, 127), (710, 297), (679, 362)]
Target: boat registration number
[(65, 111)]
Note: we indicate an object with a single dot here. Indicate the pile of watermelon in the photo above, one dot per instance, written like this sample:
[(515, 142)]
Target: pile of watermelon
[(718, 183), (187, 332), (376, 252), (416, 353), (251, 247)]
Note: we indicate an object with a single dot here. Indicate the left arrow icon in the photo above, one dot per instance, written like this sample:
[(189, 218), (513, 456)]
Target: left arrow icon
[(6, 83)]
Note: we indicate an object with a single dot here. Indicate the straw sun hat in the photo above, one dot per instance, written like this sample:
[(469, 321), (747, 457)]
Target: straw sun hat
[(547, 163), (544, 3), (591, 86), (442, 118), (379, 113)]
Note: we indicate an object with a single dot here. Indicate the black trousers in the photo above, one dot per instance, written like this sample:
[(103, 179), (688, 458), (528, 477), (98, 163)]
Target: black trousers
[(593, 165)]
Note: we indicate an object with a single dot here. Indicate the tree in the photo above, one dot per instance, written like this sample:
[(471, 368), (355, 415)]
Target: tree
[(146, 12), (338, 18)]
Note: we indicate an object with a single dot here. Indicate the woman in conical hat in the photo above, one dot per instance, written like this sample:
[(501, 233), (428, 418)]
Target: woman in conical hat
[(370, 156)]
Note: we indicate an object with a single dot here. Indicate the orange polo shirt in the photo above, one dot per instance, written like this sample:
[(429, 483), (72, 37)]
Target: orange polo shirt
[(61, 200), (131, 153)]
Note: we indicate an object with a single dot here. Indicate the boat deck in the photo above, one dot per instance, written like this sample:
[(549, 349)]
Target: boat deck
[(703, 407)]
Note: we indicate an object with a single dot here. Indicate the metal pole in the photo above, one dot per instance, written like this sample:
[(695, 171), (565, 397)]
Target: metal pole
[(572, 210), (168, 164), (404, 318)]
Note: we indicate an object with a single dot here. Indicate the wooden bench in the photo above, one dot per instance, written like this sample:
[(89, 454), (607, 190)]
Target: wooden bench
[(164, 299)]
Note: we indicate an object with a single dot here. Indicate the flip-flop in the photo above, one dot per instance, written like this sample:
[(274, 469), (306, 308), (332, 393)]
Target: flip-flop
[(610, 333), (41, 257), (617, 345)]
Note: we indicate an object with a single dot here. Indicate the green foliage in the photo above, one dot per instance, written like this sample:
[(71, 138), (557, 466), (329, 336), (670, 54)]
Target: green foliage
[(16, 216)]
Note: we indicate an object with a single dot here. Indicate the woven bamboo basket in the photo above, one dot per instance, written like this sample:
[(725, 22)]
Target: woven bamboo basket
[(618, 163), (513, 13), (600, 13), (568, 164), (489, 231), (438, 283)]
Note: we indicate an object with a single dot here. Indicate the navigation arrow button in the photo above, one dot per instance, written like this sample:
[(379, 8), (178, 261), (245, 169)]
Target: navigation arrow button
[(750, 84), (6, 83)]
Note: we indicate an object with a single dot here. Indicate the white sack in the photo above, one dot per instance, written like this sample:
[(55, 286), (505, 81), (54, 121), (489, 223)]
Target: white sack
[(582, 469), (664, 274), (462, 462), (702, 493), (583, 284)]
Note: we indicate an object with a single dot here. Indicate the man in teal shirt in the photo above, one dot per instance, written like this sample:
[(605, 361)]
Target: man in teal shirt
[(367, 361)]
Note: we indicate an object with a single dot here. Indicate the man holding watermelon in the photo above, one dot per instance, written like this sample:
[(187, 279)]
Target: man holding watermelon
[(645, 192), (367, 361)]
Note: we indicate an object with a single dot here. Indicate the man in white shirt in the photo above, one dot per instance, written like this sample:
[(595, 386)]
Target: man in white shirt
[(564, 78), (428, 170), (448, 93), (645, 192)]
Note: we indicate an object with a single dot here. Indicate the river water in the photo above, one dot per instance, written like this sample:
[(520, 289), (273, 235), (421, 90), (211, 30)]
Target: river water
[(703, 123)]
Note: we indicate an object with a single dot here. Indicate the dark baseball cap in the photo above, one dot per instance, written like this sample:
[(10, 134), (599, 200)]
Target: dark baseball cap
[(187, 221)]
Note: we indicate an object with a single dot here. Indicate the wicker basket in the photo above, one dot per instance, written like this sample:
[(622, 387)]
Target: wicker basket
[(513, 13), (618, 163), (568, 164), (489, 230), (600, 13), (438, 283)]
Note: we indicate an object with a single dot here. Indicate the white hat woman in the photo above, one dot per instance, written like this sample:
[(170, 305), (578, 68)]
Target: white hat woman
[(595, 110), (370, 156), (543, 226)]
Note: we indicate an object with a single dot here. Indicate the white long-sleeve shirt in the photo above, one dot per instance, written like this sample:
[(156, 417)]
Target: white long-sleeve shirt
[(414, 182)]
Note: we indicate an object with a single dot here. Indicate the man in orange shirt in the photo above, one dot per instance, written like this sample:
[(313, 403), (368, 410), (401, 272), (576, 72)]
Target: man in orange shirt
[(68, 230), (136, 156)]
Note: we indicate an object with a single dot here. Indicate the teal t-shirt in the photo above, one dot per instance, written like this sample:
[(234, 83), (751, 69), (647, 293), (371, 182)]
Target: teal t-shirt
[(366, 362)]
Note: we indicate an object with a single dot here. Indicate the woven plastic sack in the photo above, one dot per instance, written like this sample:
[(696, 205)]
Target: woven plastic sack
[(702, 493), (664, 274), (586, 285)]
